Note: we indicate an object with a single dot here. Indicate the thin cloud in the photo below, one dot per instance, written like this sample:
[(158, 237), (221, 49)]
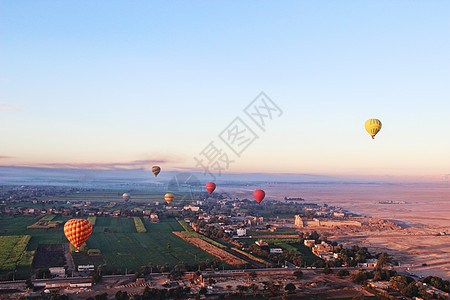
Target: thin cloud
[(5, 157), (9, 107), (145, 164)]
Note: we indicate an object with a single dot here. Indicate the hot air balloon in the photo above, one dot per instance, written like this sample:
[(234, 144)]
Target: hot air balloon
[(259, 195), (126, 197), (169, 198), (210, 186), (373, 126), (77, 231), (156, 170)]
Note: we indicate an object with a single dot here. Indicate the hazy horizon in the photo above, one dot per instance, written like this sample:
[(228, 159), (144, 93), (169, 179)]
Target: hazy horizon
[(108, 85)]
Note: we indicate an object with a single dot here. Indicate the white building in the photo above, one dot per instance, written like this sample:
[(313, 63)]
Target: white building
[(276, 250), (85, 268), (58, 271), (309, 243), (241, 232)]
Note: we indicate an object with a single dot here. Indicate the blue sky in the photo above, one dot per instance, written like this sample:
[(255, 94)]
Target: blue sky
[(98, 84)]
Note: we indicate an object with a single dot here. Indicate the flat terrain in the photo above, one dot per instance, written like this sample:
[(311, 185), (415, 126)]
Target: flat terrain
[(121, 246), (425, 213)]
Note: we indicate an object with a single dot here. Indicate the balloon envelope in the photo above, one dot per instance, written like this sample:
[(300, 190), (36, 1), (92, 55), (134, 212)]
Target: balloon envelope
[(126, 196), (210, 186), (77, 231), (259, 195), (168, 197), (373, 126), (156, 170)]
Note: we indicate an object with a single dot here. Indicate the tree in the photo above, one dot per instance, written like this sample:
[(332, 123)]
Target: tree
[(229, 289), (411, 290), (240, 289), (121, 295), (29, 283), (342, 273), (326, 270), (95, 277), (383, 260), (298, 274), (211, 281), (290, 288), (254, 288), (359, 277), (103, 296), (274, 289), (203, 291), (175, 274)]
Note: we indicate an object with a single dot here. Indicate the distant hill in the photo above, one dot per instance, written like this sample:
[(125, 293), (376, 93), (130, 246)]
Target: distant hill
[(111, 178)]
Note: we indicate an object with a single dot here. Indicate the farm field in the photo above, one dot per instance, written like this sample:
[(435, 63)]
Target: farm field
[(307, 256), (117, 239), (115, 195), (123, 248), (18, 226), (216, 251), (14, 255)]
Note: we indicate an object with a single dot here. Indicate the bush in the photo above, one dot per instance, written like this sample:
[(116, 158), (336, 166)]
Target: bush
[(298, 274), (342, 273)]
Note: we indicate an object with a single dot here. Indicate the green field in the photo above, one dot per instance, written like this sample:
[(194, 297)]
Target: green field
[(117, 239), (122, 247), (307, 256), (15, 256), (140, 227), (115, 195), (92, 220)]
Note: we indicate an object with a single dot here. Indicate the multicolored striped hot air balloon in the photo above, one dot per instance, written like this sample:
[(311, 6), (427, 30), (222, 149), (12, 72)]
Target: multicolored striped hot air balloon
[(169, 198), (126, 197), (156, 170), (210, 186), (373, 126), (77, 231)]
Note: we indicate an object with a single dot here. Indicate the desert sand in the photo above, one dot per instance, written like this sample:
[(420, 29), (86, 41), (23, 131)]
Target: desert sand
[(424, 214)]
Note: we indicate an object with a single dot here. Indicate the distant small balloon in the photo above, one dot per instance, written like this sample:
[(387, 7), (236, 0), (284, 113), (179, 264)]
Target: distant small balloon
[(210, 186), (169, 198), (259, 195), (156, 170), (373, 126), (126, 197)]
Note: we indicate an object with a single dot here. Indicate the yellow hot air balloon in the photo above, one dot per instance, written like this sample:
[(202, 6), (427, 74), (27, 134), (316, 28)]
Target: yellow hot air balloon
[(77, 231), (169, 198), (373, 126)]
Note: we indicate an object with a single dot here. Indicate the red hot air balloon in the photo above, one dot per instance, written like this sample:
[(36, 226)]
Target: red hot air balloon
[(259, 195), (210, 186)]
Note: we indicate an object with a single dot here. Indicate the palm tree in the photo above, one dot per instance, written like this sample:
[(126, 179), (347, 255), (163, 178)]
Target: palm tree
[(254, 288), (229, 289)]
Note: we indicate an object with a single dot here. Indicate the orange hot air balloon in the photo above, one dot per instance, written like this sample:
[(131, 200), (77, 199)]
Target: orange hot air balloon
[(259, 195), (77, 231), (156, 170), (169, 198), (210, 186)]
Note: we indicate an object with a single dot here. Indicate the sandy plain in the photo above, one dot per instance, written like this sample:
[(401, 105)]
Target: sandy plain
[(423, 213)]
